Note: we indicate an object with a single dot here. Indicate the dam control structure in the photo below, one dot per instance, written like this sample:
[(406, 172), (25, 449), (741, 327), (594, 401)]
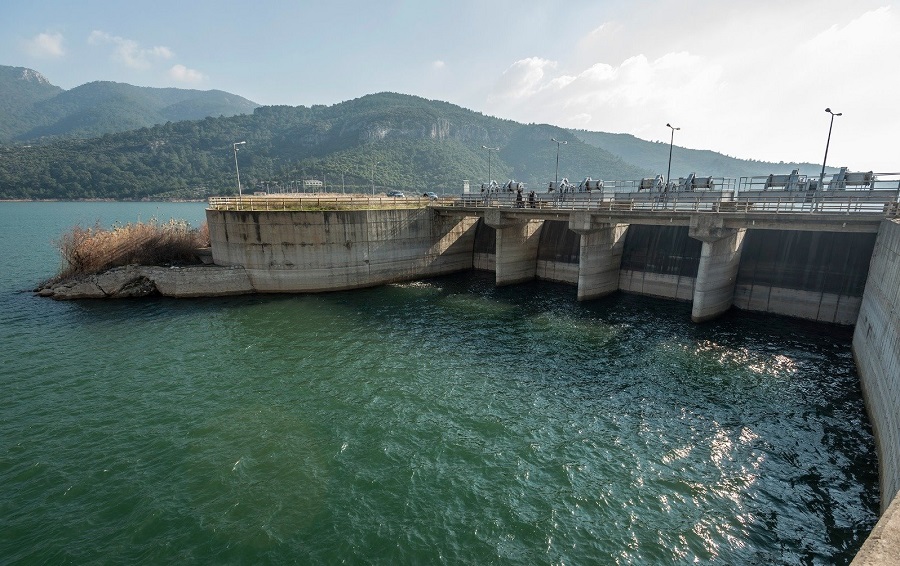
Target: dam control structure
[(830, 256)]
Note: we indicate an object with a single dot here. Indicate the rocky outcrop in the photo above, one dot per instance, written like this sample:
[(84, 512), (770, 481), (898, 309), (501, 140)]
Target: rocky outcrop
[(145, 281)]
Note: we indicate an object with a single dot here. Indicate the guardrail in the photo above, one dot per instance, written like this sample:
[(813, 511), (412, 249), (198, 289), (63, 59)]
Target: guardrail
[(881, 202), (319, 202), (884, 202), (843, 180)]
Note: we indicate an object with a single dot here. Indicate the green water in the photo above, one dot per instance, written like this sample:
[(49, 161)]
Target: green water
[(443, 421)]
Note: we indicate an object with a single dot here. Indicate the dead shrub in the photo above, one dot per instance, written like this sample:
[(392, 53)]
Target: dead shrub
[(87, 251)]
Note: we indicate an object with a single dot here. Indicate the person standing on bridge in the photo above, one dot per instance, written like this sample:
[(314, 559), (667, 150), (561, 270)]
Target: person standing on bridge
[(531, 199)]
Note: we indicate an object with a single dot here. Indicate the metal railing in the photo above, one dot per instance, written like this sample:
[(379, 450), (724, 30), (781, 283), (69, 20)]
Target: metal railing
[(874, 200), (299, 202), (881, 202)]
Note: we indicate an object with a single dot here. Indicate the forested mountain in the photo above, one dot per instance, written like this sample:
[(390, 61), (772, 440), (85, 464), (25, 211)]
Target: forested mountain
[(655, 156), (404, 142), (20, 90), (392, 141), (31, 109)]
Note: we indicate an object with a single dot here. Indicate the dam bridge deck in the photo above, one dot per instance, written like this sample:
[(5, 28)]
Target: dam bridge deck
[(836, 210), (846, 211)]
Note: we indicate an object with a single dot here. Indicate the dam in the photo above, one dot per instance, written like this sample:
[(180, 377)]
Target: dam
[(832, 258)]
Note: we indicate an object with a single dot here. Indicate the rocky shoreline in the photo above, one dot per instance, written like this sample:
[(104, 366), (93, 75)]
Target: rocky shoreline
[(134, 281)]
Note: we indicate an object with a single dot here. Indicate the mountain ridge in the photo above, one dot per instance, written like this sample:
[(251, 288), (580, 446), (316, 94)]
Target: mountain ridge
[(374, 142), (32, 109)]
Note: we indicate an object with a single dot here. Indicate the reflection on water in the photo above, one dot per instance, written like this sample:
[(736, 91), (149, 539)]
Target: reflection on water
[(439, 421)]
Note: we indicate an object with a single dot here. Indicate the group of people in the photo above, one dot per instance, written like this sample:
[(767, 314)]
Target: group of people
[(520, 202)]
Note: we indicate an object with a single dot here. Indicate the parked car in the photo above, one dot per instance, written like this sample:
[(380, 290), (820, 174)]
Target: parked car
[(432, 196), (395, 194)]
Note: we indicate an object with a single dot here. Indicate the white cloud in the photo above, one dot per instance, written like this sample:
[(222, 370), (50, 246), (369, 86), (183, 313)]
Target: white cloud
[(45, 46), (183, 74), (438, 65), (754, 86), (522, 80), (129, 52)]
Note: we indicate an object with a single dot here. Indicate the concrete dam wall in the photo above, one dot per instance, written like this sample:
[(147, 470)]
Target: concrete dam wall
[(876, 348), (812, 275), (660, 261), (843, 277), (314, 251)]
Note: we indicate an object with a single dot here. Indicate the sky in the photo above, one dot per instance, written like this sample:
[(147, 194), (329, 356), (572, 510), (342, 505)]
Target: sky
[(750, 79)]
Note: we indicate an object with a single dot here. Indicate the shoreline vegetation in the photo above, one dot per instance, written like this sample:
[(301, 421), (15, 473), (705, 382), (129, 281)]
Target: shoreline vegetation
[(90, 252)]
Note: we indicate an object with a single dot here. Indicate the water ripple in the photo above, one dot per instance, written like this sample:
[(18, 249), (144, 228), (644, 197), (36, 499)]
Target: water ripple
[(445, 421)]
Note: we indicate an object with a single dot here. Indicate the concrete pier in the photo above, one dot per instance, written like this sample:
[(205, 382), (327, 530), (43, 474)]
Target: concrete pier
[(719, 261), (517, 247), (600, 256)]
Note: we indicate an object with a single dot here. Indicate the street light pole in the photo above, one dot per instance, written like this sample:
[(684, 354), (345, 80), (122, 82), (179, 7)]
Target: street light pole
[(671, 143), (489, 150), (827, 143), (557, 158), (236, 170)]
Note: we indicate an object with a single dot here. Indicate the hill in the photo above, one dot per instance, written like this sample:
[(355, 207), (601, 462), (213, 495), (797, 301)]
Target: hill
[(20, 90), (32, 109), (397, 141), (655, 156), (386, 140)]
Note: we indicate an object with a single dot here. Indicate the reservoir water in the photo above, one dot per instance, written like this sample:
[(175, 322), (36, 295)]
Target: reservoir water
[(441, 421)]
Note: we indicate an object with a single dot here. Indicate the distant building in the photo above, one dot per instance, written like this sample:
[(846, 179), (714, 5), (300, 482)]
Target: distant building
[(312, 185)]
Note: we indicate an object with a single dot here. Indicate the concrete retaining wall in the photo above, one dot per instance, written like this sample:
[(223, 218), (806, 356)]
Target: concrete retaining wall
[(800, 303), (557, 258), (312, 251), (813, 275), (679, 287), (660, 261), (876, 348)]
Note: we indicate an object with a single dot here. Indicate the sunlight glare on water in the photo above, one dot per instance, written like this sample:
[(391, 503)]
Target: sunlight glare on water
[(440, 421)]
